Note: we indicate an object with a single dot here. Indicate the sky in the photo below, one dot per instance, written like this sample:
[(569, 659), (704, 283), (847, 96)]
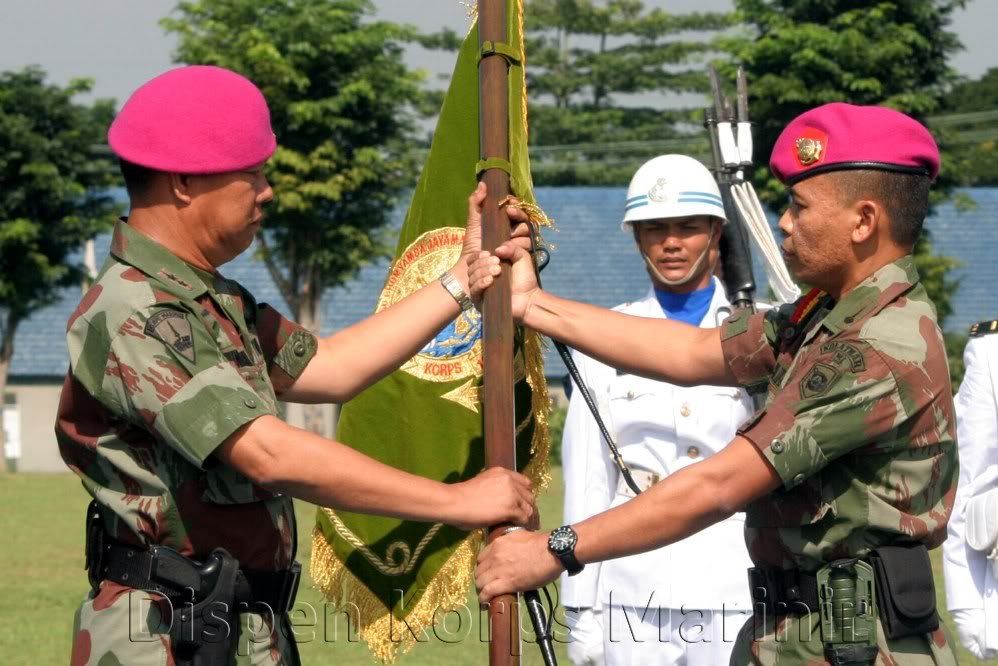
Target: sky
[(120, 45)]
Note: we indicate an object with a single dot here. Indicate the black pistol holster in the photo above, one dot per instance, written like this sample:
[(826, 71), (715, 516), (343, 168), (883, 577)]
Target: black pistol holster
[(206, 597), (205, 629)]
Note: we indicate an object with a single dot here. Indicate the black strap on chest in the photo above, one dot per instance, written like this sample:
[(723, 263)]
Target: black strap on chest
[(541, 258), (791, 335)]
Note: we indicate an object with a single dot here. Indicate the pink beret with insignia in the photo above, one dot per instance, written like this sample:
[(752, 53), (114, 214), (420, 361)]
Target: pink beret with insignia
[(841, 136), (196, 119)]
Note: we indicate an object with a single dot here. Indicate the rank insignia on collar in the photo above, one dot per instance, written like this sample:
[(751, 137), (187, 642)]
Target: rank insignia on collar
[(176, 279), (809, 150), (173, 329)]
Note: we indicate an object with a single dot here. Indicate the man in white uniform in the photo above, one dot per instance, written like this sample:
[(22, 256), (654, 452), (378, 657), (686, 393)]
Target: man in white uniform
[(668, 606), (969, 552)]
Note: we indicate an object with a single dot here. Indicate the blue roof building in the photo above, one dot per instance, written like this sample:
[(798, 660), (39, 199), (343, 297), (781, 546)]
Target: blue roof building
[(592, 260)]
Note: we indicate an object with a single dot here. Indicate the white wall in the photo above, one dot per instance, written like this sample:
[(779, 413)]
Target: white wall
[(34, 408)]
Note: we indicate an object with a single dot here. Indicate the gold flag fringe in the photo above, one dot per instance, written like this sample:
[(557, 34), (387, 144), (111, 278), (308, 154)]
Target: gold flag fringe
[(538, 469), (387, 637)]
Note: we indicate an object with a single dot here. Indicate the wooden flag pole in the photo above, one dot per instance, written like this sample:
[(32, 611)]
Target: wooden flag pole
[(497, 319)]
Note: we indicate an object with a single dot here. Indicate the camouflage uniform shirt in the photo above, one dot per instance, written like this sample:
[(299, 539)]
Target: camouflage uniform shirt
[(166, 362), (859, 425)]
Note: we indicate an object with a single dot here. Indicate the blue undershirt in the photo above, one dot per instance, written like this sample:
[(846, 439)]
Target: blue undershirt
[(690, 308)]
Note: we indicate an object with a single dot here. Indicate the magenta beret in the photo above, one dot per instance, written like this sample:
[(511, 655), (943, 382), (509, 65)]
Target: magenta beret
[(195, 119), (841, 136)]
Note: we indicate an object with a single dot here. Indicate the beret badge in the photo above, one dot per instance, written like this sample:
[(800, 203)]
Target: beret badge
[(809, 150)]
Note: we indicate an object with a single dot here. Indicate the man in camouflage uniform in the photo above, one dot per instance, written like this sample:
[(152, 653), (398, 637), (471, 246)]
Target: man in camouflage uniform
[(853, 453), (169, 411)]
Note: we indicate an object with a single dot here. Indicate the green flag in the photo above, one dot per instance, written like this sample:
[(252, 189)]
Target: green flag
[(426, 417)]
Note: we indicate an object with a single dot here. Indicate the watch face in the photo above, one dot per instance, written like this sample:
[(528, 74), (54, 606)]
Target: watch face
[(562, 540)]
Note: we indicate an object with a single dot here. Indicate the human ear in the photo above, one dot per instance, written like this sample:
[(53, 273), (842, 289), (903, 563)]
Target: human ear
[(180, 187), (867, 220)]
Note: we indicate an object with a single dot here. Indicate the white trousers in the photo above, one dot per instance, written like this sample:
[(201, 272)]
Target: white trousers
[(642, 636)]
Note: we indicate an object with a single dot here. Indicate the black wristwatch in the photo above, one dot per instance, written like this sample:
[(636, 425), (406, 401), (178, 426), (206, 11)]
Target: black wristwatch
[(561, 543)]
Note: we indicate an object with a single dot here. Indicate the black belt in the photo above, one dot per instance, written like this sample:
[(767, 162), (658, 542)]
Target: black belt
[(162, 569), (783, 591)]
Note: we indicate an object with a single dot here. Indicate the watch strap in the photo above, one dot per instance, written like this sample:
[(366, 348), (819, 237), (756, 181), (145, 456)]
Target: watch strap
[(453, 288), (570, 562), (566, 557)]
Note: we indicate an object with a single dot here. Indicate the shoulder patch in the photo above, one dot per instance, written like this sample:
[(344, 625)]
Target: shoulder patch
[(173, 329), (983, 328), (845, 355), (818, 380)]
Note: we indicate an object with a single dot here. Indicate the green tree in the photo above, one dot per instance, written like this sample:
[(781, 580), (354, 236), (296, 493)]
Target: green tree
[(803, 53), (583, 58), (342, 105), (970, 114), (976, 95), (53, 195)]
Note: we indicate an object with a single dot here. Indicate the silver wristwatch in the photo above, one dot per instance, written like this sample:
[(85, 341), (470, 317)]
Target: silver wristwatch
[(453, 288)]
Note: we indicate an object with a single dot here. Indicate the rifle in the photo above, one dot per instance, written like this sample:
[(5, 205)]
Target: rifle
[(730, 132)]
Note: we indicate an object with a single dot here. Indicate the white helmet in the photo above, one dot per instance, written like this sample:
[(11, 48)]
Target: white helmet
[(672, 186)]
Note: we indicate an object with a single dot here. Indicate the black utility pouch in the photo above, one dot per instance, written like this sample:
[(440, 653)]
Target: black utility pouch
[(907, 593)]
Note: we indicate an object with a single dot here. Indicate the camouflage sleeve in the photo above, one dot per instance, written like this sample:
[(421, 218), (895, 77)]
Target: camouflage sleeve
[(842, 398), (747, 341), (287, 346), (165, 370)]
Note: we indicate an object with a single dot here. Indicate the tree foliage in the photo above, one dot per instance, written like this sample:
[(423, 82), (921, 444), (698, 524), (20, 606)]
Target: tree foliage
[(53, 194), (975, 95), (585, 57), (976, 103), (342, 104), (803, 53)]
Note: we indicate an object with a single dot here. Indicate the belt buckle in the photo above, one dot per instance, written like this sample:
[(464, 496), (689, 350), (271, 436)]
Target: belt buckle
[(289, 590)]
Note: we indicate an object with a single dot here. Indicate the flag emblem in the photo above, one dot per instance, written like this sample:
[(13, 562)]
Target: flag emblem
[(456, 351)]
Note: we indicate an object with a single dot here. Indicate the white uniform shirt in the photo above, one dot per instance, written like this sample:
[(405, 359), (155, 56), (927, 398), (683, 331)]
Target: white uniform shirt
[(970, 582), (661, 428)]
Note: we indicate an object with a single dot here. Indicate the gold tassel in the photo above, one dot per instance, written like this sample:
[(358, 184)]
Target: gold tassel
[(538, 469), (471, 11), (447, 590)]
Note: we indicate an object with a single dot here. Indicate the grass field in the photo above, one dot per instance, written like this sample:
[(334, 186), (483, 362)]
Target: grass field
[(43, 580)]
